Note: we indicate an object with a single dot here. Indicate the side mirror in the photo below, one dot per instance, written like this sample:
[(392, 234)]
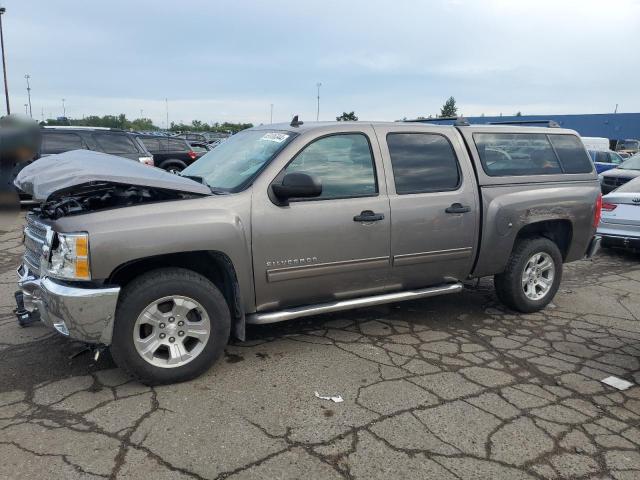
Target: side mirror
[(297, 185)]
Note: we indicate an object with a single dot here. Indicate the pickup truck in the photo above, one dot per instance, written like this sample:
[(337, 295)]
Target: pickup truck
[(286, 221)]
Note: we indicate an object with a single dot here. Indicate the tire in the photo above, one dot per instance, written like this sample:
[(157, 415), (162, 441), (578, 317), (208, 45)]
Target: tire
[(180, 307), (173, 166), (511, 288)]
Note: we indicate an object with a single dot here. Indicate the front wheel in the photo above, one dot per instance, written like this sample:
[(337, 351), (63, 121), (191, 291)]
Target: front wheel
[(532, 276), (171, 325)]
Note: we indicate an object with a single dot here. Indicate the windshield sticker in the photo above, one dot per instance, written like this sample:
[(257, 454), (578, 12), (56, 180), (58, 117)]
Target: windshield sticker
[(275, 137)]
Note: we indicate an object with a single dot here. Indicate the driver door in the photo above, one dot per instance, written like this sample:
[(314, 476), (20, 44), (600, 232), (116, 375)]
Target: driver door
[(320, 249)]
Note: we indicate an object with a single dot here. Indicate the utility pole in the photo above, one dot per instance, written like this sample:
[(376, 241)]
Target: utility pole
[(64, 110), (26, 109), (166, 102), (42, 114), (616, 110), (272, 113), (27, 77), (4, 64), (318, 111)]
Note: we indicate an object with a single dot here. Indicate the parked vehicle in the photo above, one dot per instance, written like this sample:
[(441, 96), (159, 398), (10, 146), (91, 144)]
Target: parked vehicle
[(620, 223), (630, 146), (192, 137), (614, 178), (605, 159), (171, 154), (200, 148), (600, 144), (107, 140), (287, 221)]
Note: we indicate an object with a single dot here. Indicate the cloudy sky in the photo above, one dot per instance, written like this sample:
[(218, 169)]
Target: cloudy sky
[(229, 60)]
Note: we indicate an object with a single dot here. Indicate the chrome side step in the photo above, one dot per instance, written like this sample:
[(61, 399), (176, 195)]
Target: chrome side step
[(298, 312)]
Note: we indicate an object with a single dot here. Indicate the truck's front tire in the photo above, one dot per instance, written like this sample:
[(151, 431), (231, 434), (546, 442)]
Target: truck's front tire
[(171, 325), (532, 275)]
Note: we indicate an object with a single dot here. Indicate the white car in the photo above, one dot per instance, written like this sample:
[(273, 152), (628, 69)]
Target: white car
[(620, 221)]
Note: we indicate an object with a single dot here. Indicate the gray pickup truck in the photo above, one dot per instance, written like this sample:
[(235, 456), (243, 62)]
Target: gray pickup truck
[(286, 221)]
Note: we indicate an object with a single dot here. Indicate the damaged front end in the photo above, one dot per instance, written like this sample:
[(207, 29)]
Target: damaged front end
[(103, 195)]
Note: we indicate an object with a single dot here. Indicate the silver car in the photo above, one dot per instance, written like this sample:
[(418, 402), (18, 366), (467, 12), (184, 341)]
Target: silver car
[(620, 222)]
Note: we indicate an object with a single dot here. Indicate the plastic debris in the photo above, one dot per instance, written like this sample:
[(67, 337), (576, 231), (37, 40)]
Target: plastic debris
[(333, 398), (616, 382)]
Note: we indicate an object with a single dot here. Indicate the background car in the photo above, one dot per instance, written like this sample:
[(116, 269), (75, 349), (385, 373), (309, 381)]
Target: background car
[(605, 159), (630, 145), (192, 137), (616, 177), (200, 148), (620, 220), (170, 153)]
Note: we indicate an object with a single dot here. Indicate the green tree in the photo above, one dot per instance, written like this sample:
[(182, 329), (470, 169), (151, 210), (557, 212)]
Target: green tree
[(347, 117), (449, 109)]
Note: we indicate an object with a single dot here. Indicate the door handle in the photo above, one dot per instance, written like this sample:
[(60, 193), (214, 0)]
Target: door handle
[(457, 208), (368, 216)]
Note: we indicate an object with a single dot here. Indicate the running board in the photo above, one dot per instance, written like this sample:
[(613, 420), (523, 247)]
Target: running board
[(298, 312)]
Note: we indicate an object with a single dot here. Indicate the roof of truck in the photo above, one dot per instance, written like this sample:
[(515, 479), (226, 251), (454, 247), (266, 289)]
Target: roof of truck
[(308, 126)]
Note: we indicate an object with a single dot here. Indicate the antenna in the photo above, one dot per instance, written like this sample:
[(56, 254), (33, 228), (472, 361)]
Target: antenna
[(295, 122)]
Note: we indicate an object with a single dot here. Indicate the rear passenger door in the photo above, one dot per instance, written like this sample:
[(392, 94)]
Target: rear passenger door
[(434, 205)]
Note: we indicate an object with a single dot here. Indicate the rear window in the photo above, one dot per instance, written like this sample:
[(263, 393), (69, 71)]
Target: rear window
[(151, 144), (570, 151), (176, 145), (115, 143), (422, 162), (516, 154), (59, 142)]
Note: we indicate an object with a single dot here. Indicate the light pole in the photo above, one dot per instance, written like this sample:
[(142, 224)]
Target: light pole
[(271, 113), (26, 109), (318, 111), (27, 77), (64, 110), (4, 64), (166, 103)]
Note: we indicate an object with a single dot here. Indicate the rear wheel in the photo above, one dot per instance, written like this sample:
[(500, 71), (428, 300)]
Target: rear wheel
[(171, 326), (532, 276), (173, 166)]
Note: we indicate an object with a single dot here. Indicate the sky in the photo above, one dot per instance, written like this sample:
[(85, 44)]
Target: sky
[(385, 60)]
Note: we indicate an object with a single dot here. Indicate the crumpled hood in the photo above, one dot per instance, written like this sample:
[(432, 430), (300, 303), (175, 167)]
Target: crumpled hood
[(63, 171)]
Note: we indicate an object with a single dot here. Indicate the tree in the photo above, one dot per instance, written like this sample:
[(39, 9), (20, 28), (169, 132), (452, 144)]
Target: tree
[(347, 117), (518, 114), (449, 109)]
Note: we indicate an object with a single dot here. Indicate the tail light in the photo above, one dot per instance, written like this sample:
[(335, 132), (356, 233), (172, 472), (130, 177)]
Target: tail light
[(609, 207), (598, 211), (192, 155)]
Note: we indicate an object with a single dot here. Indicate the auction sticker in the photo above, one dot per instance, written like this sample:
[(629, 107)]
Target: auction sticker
[(275, 137)]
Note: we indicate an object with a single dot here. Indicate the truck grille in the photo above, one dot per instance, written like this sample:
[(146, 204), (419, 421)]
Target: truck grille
[(35, 235)]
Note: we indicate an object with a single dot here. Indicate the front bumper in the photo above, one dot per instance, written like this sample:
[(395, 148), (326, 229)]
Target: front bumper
[(84, 314)]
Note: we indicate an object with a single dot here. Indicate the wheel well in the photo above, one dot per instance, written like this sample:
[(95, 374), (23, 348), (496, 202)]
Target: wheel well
[(558, 231), (215, 266)]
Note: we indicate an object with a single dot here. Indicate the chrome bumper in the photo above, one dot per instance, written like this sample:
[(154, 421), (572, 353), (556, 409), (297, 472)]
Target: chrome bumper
[(84, 314)]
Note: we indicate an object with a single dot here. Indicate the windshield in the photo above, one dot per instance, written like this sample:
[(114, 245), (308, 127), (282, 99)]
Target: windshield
[(628, 145), (233, 164), (632, 163)]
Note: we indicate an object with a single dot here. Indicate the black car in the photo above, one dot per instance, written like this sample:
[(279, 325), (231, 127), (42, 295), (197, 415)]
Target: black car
[(106, 140), (627, 170), (200, 148), (170, 153), (192, 137)]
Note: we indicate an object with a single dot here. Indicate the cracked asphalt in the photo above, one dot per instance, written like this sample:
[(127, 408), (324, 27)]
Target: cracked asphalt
[(444, 388)]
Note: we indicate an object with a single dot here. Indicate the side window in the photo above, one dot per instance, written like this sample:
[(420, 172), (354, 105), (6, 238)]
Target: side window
[(175, 145), (115, 143), (59, 142), (615, 158), (602, 157), (571, 153), (152, 144), (507, 154), (422, 162), (343, 163)]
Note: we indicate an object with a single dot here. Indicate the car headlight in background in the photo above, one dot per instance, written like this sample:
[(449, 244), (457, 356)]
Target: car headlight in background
[(70, 257)]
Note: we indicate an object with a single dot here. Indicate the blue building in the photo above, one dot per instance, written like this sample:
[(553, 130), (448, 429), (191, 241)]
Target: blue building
[(614, 126)]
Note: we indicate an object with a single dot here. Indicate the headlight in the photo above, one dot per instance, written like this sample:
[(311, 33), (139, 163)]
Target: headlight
[(70, 256)]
